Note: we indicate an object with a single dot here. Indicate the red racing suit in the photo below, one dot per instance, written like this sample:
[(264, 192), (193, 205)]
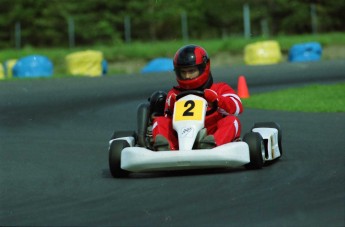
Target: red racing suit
[(223, 124)]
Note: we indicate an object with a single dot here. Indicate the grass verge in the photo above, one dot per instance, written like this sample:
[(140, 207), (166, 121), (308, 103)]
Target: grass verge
[(130, 58), (313, 98)]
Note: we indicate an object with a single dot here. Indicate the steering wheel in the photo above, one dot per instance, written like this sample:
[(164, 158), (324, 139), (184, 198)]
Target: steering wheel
[(201, 94)]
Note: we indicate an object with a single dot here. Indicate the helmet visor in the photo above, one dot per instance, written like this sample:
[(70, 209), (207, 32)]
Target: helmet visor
[(190, 72)]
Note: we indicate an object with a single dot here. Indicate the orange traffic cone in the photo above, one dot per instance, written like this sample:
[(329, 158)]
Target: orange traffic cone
[(242, 88)]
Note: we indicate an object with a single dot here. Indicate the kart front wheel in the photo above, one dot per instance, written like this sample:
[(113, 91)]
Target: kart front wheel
[(256, 150), (115, 151), (272, 125)]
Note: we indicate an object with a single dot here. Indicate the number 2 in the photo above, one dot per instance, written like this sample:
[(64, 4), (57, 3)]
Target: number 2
[(188, 111)]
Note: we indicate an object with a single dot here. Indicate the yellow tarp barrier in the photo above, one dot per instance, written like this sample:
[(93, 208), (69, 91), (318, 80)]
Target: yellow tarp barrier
[(86, 63), (6, 68), (266, 52), (9, 66), (2, 72)]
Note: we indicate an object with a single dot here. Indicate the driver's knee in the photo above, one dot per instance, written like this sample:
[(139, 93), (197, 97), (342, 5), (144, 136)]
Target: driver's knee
[(228, 129)]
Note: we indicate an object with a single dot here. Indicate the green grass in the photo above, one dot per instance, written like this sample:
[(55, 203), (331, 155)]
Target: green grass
[(121, 52), (149, 50), (313, 98)]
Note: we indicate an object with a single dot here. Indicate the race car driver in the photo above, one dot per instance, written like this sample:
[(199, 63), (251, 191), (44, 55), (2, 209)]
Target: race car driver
[(193, 72)]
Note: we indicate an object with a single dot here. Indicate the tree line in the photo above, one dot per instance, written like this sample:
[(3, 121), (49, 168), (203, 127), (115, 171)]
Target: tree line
[(58, 23)]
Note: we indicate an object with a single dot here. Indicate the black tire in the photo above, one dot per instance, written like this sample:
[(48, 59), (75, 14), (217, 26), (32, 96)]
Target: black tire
[(256, 150), (272, 125), (115, 151), (143, 115)]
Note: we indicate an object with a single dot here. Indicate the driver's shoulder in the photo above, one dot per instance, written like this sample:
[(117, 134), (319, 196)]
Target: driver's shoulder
[(220, 86)]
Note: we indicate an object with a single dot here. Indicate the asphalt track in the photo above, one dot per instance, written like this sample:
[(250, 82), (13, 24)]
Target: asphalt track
[(54, 162)]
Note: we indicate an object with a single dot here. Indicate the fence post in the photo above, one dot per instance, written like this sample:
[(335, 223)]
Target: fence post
[(313, 16), (127, 25), (17, 35), (246, 20), (71, 30), (184, 26), (264, 28)]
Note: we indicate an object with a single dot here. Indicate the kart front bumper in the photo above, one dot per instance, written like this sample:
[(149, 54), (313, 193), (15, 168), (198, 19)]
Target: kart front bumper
[(139, 159)]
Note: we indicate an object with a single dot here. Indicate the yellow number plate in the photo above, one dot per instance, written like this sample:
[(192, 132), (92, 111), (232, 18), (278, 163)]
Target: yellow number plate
[(188, 110)]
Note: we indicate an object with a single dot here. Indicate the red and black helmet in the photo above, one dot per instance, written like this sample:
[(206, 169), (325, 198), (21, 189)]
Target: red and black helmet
[(188, 56)]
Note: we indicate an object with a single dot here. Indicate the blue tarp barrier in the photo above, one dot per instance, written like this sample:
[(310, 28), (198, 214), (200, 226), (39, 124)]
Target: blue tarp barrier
[(33, 66), (104, 67), (305, 52), (159, 65)]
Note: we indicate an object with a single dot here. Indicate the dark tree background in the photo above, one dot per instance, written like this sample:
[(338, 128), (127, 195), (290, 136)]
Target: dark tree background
[(44, 23)]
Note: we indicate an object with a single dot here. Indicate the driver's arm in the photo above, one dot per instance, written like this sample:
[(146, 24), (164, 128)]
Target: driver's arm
[(169, 104), (228, 100)]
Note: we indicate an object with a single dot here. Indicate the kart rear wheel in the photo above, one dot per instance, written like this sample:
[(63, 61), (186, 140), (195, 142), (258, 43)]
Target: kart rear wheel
[(272, 125), (256, 150), (115, 151)]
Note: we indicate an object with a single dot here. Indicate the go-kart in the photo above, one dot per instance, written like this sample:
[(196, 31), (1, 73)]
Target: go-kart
[(133, 151)]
